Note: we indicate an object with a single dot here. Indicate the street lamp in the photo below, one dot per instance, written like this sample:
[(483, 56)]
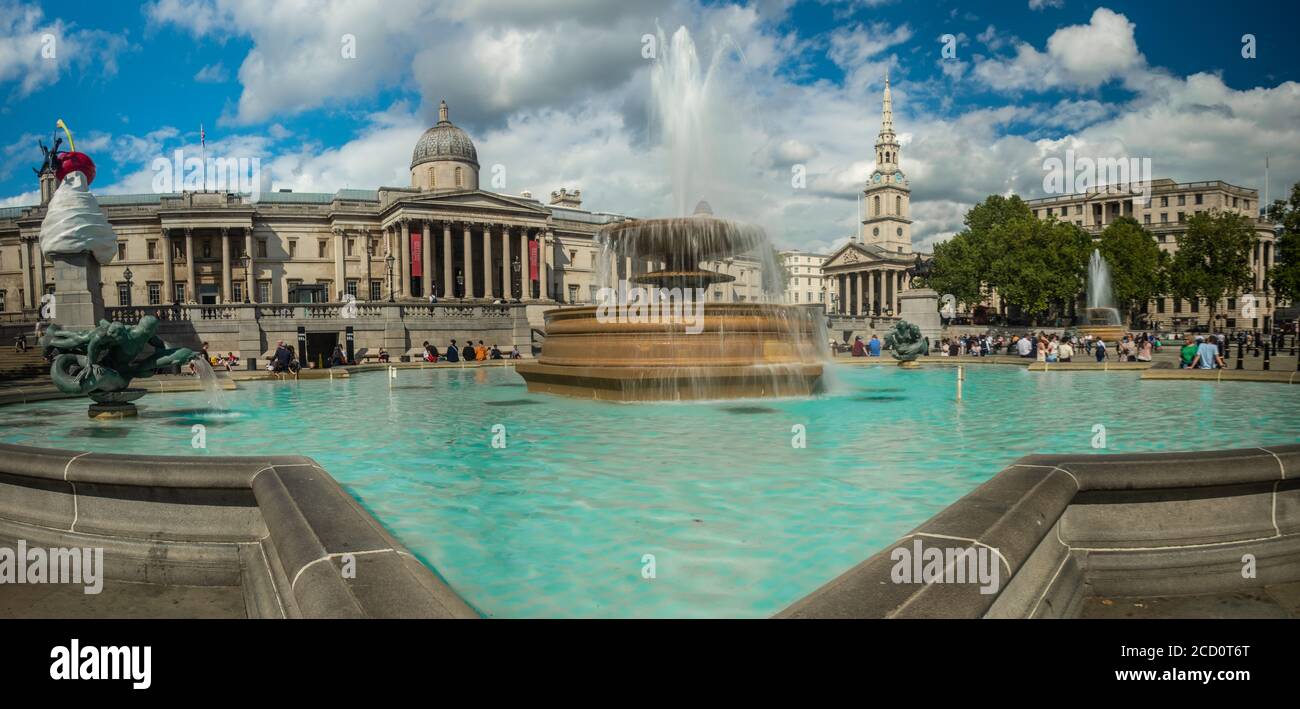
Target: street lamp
[(247, 262), (517, 267), (389, 261), (460, 283), (127, 275)]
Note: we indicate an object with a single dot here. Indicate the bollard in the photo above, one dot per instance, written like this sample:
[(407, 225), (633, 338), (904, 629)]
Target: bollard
[(1267, 348), (1240, 347)]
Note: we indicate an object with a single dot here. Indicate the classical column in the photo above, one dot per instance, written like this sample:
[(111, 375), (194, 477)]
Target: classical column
[(363, 293), (898, 285), (487, 262), (226, 272), (426, 258), (169, 286), (869, 298), (250, 258), (340, 268), (448, 276), (404, 249), (525, 292), (468, 260), (840, 282), (507, 287), (40, 270), (192, 292)]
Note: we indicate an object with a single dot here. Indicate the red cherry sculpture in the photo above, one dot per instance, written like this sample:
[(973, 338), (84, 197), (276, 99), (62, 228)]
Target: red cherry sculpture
[(70, 162)]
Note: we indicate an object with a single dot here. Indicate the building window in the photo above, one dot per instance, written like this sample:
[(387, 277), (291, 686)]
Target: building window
[(898, 205), (876, 210), (376, 290), (1164, 201), (237, 292), (207, 248), (1182, 199), (151, 248), (261, 248), (460, 177), (1247, 205), (1164, 217), (293, 248), (121, 251), (1200, 199), (180, 292), (349, 251), (155, 293), (1196, 305), (1182, 217), (1160, 305), (1178, 305), (1146, 218), (123, 294), (320, 246), (1234, 202), (263, 291), (351, 287)]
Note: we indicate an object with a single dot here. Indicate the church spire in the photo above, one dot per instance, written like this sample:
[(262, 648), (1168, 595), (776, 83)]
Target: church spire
[(887, 111)]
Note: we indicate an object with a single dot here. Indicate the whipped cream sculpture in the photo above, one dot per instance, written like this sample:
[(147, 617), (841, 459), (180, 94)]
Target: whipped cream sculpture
[(73, 220)]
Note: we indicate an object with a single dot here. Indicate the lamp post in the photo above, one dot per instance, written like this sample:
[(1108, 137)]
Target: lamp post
[(247, 262), (389, 261), (516, 266), (127, 275), (460, 283)]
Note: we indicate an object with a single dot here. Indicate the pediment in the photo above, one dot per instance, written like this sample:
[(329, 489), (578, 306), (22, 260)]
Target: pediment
[(850, 254)]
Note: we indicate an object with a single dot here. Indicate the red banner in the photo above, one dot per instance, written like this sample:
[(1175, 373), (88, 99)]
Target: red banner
[(417, 254), (532, 260)]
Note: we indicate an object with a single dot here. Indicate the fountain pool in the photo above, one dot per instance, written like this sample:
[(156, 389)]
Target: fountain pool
[(740, 523)]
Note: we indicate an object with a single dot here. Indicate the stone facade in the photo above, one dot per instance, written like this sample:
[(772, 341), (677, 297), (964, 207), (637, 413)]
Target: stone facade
[(1165, 215)]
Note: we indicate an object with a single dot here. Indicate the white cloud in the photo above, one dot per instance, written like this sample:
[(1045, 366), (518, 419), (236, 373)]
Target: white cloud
[(1041, 4), (1077, 57), (35, 51), (212, 74)]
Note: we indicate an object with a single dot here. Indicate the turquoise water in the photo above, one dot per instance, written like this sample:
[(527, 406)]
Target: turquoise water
[(739, 521)]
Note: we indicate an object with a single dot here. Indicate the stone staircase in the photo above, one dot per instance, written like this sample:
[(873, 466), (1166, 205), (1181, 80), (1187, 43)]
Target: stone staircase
[(22, 365)]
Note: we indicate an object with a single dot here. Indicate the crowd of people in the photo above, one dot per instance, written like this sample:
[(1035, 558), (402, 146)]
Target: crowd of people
[(468, 352)]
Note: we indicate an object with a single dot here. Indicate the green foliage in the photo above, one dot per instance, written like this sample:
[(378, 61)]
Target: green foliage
[(1033, 264), (1138, 266), (1213, 259), (1284, 277)]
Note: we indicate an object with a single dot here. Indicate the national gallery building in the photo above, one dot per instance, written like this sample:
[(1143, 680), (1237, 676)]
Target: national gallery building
[(442, 235)]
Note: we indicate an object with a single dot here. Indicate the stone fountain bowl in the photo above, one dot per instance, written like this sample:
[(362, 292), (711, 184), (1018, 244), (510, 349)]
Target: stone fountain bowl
[(743, 350), (121, 396), (685, 241)]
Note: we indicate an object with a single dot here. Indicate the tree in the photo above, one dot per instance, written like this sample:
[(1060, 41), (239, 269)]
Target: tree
[(1284, 277), (1041, 264), (1138, 267), (1033, 264), (1213, 259)]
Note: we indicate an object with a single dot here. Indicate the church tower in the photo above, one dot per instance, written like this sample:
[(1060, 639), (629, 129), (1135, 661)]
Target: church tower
[(887, 197)]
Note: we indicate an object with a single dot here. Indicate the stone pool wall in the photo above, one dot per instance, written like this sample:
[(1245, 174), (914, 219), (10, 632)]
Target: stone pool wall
[(278, 528), (1065, 528)]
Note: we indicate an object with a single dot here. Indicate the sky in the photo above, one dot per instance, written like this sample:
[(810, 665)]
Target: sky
[(571, 93)]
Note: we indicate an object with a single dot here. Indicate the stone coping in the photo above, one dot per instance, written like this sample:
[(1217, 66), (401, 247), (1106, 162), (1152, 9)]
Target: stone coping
[(1227, 374), (1065, 526), (278, 527)]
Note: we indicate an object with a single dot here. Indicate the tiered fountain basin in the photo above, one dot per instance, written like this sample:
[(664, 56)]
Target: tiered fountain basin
[(743, 350), (1103, 323)]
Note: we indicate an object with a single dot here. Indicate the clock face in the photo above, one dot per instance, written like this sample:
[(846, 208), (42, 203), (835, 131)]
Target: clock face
[(899, 176), (876, 178)]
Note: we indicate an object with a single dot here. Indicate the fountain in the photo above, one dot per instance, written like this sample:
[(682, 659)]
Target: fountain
[(657, 335), (1101, 317)]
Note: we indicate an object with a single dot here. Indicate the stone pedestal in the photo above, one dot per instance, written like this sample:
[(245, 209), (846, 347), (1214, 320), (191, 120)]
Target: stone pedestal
[(114, 404), (79, 302), (921, 308)]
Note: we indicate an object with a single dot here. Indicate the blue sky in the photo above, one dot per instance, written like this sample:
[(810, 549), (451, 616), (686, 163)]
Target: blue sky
[(559, 94)]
